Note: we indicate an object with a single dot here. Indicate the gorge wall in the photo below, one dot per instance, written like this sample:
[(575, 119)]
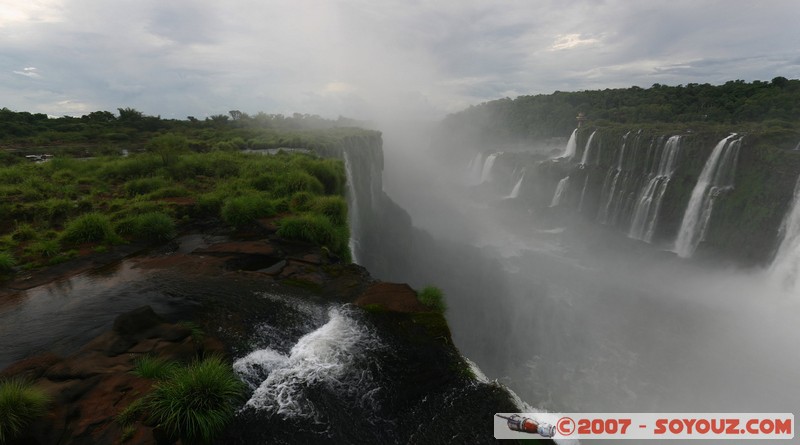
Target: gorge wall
[(641, 181)]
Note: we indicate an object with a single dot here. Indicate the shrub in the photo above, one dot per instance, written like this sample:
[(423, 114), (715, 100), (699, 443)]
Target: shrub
[(317, 229), (20, 404), (334, 207), (245, 209), (7, 262), (432, 297), (197, 401), (46, 248), (150, 367), (24, 232), (88, 228), (297, 181), (153, 226), (144, 186), (301, 202)]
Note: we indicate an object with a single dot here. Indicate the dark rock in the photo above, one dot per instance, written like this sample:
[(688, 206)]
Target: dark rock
[(136, 321)]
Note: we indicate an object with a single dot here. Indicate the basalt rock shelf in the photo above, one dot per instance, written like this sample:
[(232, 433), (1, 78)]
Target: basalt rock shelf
[(329, 354)]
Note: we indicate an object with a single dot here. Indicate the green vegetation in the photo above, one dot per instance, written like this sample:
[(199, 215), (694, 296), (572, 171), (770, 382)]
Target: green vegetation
[(174, 172), (318, 229), (150, 367), (774, 104), (432, 297), (87, 228), (20, 404), (197, 401)]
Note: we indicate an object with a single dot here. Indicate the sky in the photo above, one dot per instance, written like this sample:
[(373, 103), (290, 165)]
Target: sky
[(368, 58)]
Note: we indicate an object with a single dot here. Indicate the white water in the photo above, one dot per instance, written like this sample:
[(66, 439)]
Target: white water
[(785, 268), (352, 211), (648, 204), (561, 188), (587, 149), (328, 356), (610, 184), (515, 191), (572, 145), (717, 175), (474, 169), (486, 172), (583, 192)]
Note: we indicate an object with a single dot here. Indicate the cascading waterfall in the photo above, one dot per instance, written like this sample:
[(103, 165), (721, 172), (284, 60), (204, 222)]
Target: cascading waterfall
[(572, 145), (486, 172), (329, 357), (717, 176), (561, 189), (352, 213), (587, 150), (474, 169), (648, 205), (785, 268), (610, 184), (515, 191), (583, 192)]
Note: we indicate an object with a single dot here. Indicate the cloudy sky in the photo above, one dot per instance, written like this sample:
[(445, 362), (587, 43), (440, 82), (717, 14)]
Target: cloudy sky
[(362, 58)]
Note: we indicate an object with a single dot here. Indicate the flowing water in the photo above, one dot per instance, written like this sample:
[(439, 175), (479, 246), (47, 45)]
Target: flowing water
[(561, 189), (648, 204), (716, 177), (486, 172), (572, 146), (587, 150), (785, 269)]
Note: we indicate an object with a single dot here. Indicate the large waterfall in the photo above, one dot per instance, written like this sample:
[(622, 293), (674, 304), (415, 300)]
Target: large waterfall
[(785, 267), (587, 149), (648, 205), (515, 191), (352, 214), (572, 145), (486, 172), (609, 196), (717, 176), (561, 189)]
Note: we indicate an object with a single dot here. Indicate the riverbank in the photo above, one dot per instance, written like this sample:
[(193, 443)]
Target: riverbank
[(259, 277)]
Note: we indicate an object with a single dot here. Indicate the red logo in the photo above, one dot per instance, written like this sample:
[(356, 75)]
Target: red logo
[(565, 426)]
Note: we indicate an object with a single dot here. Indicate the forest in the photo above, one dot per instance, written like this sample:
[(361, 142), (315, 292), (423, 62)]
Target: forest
[(759, 105)]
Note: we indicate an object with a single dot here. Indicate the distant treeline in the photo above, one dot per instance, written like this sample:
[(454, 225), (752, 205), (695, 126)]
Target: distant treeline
[(770, 104), (24, 129)]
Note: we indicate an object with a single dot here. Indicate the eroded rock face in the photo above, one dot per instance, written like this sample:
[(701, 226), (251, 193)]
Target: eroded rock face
[(92, 386), (398, 297)]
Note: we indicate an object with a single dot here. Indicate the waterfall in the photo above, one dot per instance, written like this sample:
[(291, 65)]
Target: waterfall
[(515, 191), (583, 192), (610, 184), (329, 358), (352, 211), (561, 188), (572, 145), (587, 149), (785, 268), (474, 169), (717, 176), (486, 172), (648, 204)]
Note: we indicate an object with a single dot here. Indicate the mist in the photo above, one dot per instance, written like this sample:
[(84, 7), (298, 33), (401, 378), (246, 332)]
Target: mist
[(576, 317)]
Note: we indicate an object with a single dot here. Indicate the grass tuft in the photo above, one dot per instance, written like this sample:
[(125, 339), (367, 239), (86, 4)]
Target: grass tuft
[(89, 227), (198, 401), (157, 368), (317, 229), (7, 262), (432, 297), (244, 210), (20, 404)]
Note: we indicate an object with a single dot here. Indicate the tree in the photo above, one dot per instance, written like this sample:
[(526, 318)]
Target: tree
[(169, 146), (130, 114)]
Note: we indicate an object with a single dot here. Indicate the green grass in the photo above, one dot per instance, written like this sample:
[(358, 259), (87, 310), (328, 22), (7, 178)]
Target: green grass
[(144, 186), (131, 412), (7, 262), (334, 207), (150, 367), (244, 210), (196, 402), (150, 226), (432, 297), (197, 333), (89, 227), (318, 229), (20, 404), (46, 248)]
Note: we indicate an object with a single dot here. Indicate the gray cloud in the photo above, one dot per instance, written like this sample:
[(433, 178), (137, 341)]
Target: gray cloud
[(362, 57)]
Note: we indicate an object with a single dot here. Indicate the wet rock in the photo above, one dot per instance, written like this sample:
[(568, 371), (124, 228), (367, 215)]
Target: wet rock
[(398, 297), (136, 321)]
